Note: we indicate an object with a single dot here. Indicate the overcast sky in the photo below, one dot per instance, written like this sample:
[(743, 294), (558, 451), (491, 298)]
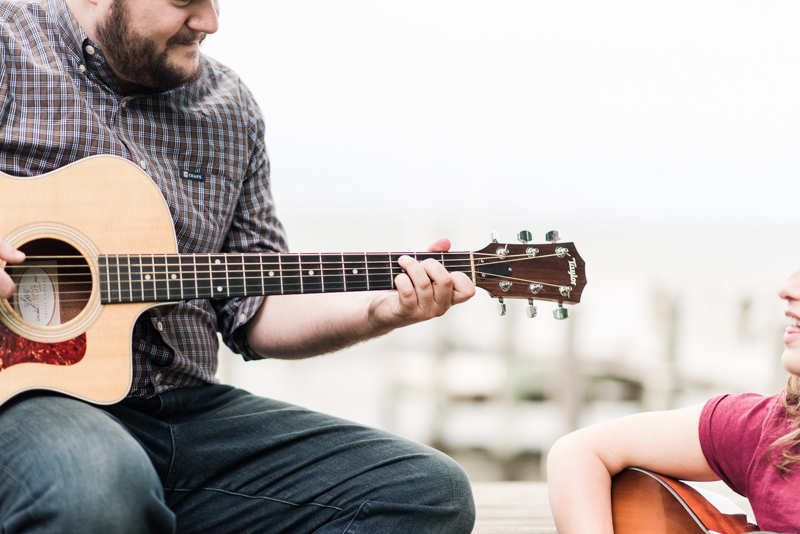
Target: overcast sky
[(677, 123)]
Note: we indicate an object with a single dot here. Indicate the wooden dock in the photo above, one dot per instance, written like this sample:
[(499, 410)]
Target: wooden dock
[(512, 508)]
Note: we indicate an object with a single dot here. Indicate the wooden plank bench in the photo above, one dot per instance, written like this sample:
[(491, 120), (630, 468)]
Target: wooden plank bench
[(512, 508)]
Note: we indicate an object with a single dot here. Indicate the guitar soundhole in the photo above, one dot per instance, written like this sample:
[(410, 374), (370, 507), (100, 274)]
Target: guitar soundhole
[(53, 284)]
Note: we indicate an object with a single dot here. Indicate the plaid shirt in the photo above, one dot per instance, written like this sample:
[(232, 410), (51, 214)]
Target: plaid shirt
[(60, 102)]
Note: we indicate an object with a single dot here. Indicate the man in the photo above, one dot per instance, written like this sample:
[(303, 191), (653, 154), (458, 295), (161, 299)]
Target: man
[(183, 453)]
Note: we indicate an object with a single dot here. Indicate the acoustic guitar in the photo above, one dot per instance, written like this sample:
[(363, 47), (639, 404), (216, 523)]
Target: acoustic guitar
[(101, 250), (643, 502)]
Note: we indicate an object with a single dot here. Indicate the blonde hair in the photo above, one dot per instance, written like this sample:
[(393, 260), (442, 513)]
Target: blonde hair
[(788, 443)]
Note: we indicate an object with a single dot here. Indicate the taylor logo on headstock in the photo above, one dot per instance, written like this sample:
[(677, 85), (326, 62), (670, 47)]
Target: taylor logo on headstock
[(573, 275)]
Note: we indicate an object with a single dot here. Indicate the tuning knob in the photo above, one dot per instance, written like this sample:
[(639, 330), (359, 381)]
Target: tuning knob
[(501, 307), (524, 236), (494, 236), (552, 236), (530, 311), (561, 312)]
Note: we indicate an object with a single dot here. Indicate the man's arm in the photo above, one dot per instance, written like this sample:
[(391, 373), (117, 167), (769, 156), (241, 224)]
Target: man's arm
[(580, 465), (300, 326)]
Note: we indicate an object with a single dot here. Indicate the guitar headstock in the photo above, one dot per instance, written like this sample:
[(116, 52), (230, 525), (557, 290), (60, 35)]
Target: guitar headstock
[(552, 271)]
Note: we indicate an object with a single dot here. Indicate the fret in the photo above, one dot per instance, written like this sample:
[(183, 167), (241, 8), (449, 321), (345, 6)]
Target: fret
[(422, 256), (379, 272), (136, 278), (253, 284), (311, 273), (291, 281), (219, 276), (271, 274), (332, 272), (393, 261), (102, 264), (202, 268), (188, 277), (160, 278), (148, 279), (113, 279), (174, 285), (458, 262), (355, 272), (235, 267), (391, 270), (124, 279)]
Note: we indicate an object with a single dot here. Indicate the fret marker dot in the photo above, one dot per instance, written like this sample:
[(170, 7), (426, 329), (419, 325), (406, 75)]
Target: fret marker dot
[(217, 262), (219, 288), (310, 273), (147, 277), (355, 271), (272, 273), (174, 276)]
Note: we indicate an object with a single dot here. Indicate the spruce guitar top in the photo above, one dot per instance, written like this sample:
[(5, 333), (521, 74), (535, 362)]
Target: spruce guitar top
[(101, 250)]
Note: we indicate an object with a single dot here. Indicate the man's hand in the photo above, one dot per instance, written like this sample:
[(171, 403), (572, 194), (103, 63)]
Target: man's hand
[(7, 253), (424, 291)]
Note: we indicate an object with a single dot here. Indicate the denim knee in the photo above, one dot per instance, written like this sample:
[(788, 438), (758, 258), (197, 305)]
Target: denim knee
[(71, 468), (451, 491)]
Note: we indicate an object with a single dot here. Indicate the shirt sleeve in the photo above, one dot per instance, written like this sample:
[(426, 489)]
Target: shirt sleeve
[(731, 432), (255, 228)]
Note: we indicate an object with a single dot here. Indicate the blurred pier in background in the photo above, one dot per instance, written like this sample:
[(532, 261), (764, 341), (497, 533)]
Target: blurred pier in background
[(656, 329)]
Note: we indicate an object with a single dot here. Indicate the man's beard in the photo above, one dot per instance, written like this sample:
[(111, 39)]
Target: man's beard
[(135, 58)]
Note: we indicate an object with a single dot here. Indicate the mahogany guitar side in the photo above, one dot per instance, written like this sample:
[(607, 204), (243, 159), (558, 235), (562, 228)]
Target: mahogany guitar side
[(643, 502)]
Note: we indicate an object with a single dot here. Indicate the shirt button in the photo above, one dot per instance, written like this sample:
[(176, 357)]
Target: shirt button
[(242, 318), (160, 326), (143, 164), (90, 50), (158, 377), (82, 68)]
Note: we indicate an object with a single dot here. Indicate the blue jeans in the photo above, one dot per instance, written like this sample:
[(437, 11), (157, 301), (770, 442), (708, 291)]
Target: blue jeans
[(217, 459)]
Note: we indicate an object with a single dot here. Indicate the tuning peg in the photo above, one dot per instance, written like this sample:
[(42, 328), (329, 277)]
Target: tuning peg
[(561, 312), (552, 236), (530, 311), (494, 236), (524, 236), (501, 307)]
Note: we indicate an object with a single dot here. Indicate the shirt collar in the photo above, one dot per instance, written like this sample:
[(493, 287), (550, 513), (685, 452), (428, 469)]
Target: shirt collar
[(71, 31)]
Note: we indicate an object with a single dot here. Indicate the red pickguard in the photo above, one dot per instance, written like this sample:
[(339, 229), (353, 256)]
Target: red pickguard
[(16, 349)]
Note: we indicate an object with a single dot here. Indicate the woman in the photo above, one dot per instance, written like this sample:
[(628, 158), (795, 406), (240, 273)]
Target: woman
[(749, 441)]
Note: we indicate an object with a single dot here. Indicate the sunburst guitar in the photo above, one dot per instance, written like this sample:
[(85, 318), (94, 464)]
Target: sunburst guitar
[(101, 250), (643, 502)]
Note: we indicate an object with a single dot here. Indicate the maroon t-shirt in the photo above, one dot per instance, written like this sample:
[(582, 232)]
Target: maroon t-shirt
[(735, 433)]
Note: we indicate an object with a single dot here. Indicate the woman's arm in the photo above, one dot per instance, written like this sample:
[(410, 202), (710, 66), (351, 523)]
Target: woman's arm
[(580, 465)]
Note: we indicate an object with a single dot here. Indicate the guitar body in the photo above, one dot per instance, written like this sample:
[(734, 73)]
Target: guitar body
[(99, 205), (643, 502)]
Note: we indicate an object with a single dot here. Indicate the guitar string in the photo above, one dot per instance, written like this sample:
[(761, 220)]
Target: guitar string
[(295, 285), (375, 271), (281, 264)]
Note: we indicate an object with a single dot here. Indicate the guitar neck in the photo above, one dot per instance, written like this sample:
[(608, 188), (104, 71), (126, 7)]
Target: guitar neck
[(174, 277)]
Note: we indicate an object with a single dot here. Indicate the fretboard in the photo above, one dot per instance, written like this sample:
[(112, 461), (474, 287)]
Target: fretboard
[(175, 277)]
